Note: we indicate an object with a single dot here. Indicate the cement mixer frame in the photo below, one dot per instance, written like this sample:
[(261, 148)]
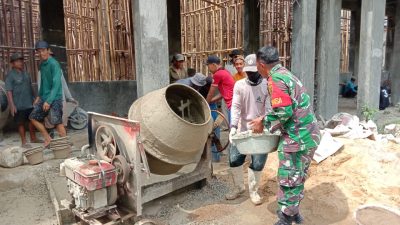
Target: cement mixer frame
[(141, 186)]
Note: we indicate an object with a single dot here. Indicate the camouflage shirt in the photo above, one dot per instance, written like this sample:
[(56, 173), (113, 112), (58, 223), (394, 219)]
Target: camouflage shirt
[(292, 111)]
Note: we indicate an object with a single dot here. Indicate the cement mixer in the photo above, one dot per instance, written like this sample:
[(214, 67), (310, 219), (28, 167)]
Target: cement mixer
[(129, 162), (175, 123)]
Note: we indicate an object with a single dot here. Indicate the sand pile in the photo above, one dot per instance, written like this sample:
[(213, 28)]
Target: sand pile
[(362, 172)]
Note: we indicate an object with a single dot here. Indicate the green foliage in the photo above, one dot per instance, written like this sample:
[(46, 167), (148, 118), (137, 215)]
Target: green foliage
[(368, 113)]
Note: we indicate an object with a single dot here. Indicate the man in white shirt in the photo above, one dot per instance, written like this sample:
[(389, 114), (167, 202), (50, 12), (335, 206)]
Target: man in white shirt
[(250, 101)]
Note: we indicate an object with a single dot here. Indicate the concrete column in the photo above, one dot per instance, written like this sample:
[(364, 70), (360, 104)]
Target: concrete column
[(328, 57), (370, 53), (303, 43), (151, 44), (395, 65)]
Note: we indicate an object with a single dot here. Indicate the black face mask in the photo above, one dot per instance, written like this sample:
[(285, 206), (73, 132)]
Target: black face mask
[(254, 78)]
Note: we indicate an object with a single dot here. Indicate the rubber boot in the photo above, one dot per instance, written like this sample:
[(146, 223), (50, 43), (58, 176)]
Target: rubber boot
[(254, 180), (238, 183), (298, 218), (284, 219)]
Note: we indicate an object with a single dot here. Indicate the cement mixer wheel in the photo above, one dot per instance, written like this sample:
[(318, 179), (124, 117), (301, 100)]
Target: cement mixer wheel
[(106, 146), (122, 167)]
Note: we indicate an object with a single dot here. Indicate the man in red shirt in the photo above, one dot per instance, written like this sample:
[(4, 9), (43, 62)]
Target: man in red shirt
[(222, 80)]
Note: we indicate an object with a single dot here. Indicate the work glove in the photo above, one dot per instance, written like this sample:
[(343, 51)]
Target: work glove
[(232, 133)]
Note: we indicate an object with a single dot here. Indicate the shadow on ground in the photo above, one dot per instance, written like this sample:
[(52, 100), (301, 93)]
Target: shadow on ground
[(324, 204)]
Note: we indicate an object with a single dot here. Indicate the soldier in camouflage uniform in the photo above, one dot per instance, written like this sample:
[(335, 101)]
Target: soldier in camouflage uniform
[(293, 115)]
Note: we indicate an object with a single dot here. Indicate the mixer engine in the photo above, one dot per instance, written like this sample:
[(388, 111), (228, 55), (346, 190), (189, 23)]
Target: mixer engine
[(92, 184)]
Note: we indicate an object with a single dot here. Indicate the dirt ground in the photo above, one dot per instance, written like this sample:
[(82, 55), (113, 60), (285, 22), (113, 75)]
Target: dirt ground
[(23, 195), (363, 172), (24, 198)]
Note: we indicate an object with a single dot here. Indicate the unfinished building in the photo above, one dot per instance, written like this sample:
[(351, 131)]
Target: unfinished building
[(117, 50), (323, 42)]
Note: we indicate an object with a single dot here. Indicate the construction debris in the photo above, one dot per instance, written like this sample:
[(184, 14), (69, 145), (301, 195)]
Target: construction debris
[(327, 147), (349, 126)]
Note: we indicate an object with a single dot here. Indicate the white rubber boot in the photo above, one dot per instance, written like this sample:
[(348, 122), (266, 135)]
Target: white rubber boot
[(238, 183), (253, 180)]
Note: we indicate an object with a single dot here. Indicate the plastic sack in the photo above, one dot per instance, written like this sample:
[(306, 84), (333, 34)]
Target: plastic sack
[(11, 157)]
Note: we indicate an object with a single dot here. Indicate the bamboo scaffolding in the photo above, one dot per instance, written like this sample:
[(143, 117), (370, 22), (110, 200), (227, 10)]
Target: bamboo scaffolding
[(345, 40), (276, 26), (99, 40), (210, 28), (19, 30)]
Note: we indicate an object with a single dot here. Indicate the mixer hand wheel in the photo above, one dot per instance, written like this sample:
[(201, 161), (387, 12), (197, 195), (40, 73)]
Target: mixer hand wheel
[(105, 143), (220, 131)]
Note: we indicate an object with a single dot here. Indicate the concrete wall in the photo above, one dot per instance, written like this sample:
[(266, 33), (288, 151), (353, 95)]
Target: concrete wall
[(328, 57), (151, 45), (370, 54), (303, 43), (105, 97)]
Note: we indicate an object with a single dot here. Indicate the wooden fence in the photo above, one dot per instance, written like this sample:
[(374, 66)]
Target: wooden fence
[(210, 27), (19, 30), (99, 40)]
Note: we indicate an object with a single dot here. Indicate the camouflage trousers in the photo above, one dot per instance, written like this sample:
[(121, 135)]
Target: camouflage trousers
[(292, 171)]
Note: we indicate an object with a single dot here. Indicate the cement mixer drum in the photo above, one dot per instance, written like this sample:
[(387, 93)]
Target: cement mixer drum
[(175, 123)]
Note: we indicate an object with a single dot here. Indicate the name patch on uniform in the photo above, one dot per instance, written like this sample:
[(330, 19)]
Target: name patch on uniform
[(278, 97)]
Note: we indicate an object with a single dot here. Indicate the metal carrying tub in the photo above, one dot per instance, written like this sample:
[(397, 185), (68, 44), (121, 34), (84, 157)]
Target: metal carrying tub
[(34, 155), (376, 215), (249, 143)]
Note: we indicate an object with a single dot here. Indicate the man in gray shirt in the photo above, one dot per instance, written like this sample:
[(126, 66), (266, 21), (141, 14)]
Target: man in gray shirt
[(20, 97)]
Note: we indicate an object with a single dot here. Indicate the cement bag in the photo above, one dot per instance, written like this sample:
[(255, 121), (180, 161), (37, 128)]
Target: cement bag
[(11, 157)]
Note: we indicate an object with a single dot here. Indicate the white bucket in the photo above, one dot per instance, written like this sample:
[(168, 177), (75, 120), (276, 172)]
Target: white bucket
[(248, 143)]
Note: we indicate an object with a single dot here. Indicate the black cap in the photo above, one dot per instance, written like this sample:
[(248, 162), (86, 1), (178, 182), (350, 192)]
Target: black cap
[(15, 57), (213, 59), (235, 52), (268, 54), (41, 44)]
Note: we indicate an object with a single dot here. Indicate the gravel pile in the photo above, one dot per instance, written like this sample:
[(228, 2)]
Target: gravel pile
[(213, 193)]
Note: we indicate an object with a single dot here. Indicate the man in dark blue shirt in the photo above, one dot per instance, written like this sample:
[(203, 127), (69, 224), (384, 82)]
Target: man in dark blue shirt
[(350, 90), (20, 97)]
